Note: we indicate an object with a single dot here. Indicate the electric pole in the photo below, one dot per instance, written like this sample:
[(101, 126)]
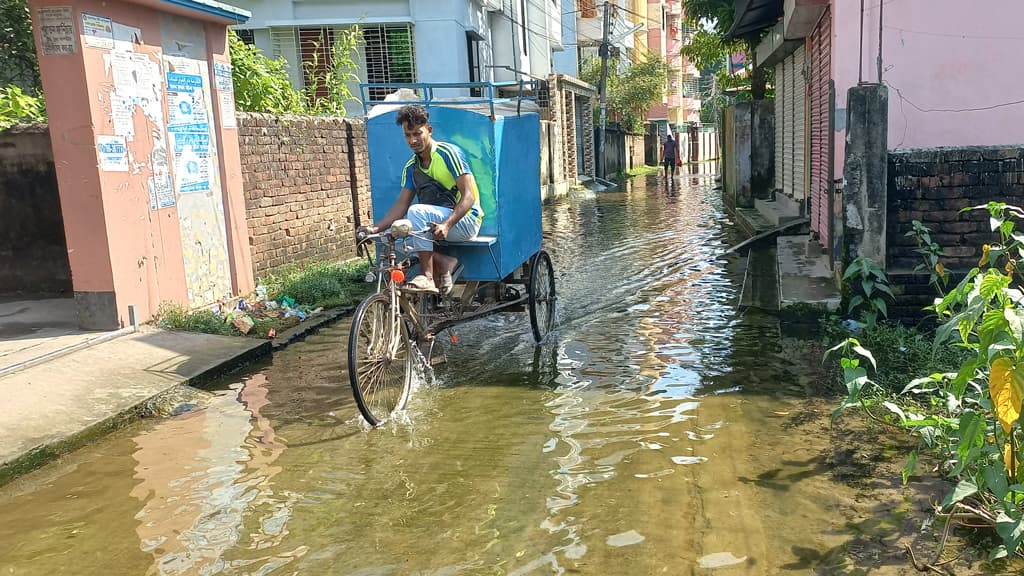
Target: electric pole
[(602, 89)]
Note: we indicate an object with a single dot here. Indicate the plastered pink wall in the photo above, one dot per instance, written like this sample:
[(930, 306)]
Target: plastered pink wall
[(232, 179), (117, 241), (952, 68)]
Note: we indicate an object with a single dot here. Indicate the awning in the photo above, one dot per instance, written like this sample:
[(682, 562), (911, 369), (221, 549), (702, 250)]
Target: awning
[(753, 16)]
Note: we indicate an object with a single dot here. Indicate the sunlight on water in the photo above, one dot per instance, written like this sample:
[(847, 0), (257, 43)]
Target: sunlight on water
[(643, 437)]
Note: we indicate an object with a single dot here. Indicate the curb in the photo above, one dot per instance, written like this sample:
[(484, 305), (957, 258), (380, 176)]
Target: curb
[(46, 453), (43, 454)]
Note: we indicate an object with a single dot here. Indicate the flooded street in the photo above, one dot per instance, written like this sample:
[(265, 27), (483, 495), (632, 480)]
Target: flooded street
[(657, 431)]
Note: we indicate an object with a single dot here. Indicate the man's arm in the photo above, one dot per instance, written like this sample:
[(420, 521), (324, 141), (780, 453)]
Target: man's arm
[(397, 210), (467, 190)]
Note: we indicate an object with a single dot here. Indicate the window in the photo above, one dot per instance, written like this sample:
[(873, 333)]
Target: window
[(475, 67), (246, 36), (389, 56), (386, 53)]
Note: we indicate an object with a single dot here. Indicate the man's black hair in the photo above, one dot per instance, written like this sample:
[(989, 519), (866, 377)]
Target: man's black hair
[(412, 115)]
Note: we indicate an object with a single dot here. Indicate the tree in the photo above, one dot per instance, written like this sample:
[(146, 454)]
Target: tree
[(708, 44), (18, 62), (630, 95), (261, 83)]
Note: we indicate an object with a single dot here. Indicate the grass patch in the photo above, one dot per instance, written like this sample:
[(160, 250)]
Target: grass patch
[(320, 284), (311, 286), (175, 317), (643, 171), (902, 353)]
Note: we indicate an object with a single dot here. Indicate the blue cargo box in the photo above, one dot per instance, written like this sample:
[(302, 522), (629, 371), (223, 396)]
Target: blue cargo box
[(504, 155)]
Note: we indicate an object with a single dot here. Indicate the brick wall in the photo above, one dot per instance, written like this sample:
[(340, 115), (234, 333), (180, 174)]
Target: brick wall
[(298, 188), (33, 251), (932, 186)]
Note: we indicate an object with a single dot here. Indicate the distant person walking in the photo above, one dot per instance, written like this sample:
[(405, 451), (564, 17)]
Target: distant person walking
[(668, 156)]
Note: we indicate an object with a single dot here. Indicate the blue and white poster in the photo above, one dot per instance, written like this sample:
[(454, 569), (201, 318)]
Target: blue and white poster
[(113, 153), (185, 103), (192, 162)]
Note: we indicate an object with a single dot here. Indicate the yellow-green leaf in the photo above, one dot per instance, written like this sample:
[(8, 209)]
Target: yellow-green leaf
[(1006, 385)]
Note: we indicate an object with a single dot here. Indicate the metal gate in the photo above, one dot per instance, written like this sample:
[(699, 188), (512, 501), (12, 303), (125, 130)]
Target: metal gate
[(821, 129), (799, 125), (780, 122)]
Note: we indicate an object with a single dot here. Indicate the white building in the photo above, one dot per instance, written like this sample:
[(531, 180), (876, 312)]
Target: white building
[(412, 40)]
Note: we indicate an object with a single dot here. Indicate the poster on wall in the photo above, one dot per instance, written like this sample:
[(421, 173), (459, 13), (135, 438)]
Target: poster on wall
[(113, 153), (227, 110), (97, 31), (222, 75), (56, 30), (192, 161), (185, 105)]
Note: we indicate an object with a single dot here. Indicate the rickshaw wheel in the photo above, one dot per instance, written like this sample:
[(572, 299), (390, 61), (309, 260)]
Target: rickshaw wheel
[(380, 361), (542, 295)]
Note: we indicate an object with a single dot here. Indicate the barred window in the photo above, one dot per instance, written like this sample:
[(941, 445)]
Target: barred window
[(390, 56), (246, 36), (386, 53)]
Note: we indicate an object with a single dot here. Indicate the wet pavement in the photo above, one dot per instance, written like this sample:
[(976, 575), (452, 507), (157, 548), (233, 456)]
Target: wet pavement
[(658, 431)]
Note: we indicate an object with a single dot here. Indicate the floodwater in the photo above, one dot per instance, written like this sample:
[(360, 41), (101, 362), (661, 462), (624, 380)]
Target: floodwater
[(658, 431)]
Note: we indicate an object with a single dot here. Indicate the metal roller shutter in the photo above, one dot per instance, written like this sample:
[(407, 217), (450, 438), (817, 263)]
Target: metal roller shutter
[(780, 121), (787, 134), (799, 125), (821, 128)]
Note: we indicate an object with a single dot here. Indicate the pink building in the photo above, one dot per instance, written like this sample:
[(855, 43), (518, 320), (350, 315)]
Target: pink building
[(666, 32), (947, 65)]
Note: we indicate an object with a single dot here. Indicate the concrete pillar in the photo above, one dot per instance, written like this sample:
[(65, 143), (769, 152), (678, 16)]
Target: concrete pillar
[(865, 190), (741, 146), (762, 149)]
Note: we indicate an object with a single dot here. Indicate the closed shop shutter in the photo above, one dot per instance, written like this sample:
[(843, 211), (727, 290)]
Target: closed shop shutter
[(780, 121), (799, 125), (787, 134), (821, 128)]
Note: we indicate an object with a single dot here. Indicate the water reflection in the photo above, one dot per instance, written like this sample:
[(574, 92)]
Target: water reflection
[(202, 476)]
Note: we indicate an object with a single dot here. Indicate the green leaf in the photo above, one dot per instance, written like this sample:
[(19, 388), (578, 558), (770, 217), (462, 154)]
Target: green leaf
[(1011, 530), (855, 379), (895, 410), (867, 285), (864, 352), (993, 323), (995, 480), (910, 467), (972, 435), (995, 223), (998, 552), (963, 489), (854, 302), (881, 306), (882, 287), (1013, 322), (992, 283)]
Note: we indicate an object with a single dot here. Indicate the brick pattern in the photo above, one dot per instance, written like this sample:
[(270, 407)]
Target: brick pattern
[(589, 167), (569, 142), (933, 185), (298, 189)]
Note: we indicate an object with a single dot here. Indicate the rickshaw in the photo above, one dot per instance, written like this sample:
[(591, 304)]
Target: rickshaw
[(502, 269)]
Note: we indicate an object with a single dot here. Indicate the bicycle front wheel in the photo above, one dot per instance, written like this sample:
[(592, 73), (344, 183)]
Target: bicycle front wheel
[(380, 362)]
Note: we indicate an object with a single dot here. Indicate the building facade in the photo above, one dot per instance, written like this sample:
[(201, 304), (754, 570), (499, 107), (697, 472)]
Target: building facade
[(412, 40)]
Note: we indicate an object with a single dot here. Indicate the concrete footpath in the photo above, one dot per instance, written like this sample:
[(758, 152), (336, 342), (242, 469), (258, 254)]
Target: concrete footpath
[(57, 406), (61, 388)]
